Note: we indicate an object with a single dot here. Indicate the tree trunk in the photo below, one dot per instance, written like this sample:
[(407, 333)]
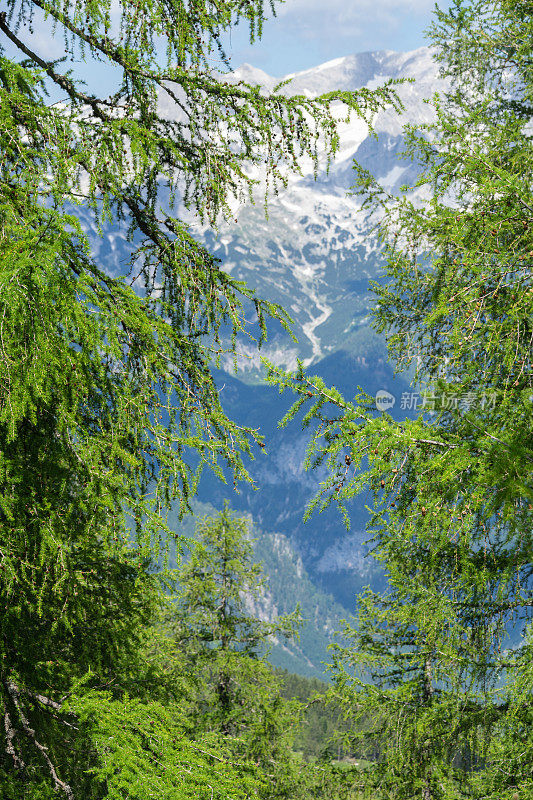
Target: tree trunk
[(427, 793)]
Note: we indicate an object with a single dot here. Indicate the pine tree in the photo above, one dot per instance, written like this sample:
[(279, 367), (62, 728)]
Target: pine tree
[(216, 636), (441, 655), (108, 408), (218, 628)]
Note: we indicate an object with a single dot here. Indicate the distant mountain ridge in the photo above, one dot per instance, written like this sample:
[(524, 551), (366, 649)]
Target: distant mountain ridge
[(315, 255)]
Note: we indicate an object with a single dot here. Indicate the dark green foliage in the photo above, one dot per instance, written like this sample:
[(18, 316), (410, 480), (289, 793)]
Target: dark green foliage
[(146, 750), (322, 722)]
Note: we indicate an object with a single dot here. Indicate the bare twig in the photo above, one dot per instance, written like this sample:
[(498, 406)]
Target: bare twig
[(10, 747), (14, 693), (51, 706)]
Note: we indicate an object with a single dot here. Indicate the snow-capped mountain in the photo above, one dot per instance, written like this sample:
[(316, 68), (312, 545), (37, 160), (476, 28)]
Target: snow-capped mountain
[(314, 254)]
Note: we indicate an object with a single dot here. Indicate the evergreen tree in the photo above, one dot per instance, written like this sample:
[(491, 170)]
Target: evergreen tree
[(441, 655), (219, 640), (108, 408), (218, 628)]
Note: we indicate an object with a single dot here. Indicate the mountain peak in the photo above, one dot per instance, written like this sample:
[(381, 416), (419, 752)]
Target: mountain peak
[(253, 75), (348, 72), (315, 254)]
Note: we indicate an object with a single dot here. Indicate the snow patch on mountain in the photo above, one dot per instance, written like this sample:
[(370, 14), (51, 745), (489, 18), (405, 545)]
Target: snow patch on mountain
[(315, 253)]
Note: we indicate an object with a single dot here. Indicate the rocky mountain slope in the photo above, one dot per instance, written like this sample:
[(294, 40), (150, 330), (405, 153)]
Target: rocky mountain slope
[(333, 557), (315, 255), (287, 586)]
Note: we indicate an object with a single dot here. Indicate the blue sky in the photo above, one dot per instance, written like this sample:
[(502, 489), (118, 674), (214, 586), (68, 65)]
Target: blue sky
[(303, 34), (308, 32)]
